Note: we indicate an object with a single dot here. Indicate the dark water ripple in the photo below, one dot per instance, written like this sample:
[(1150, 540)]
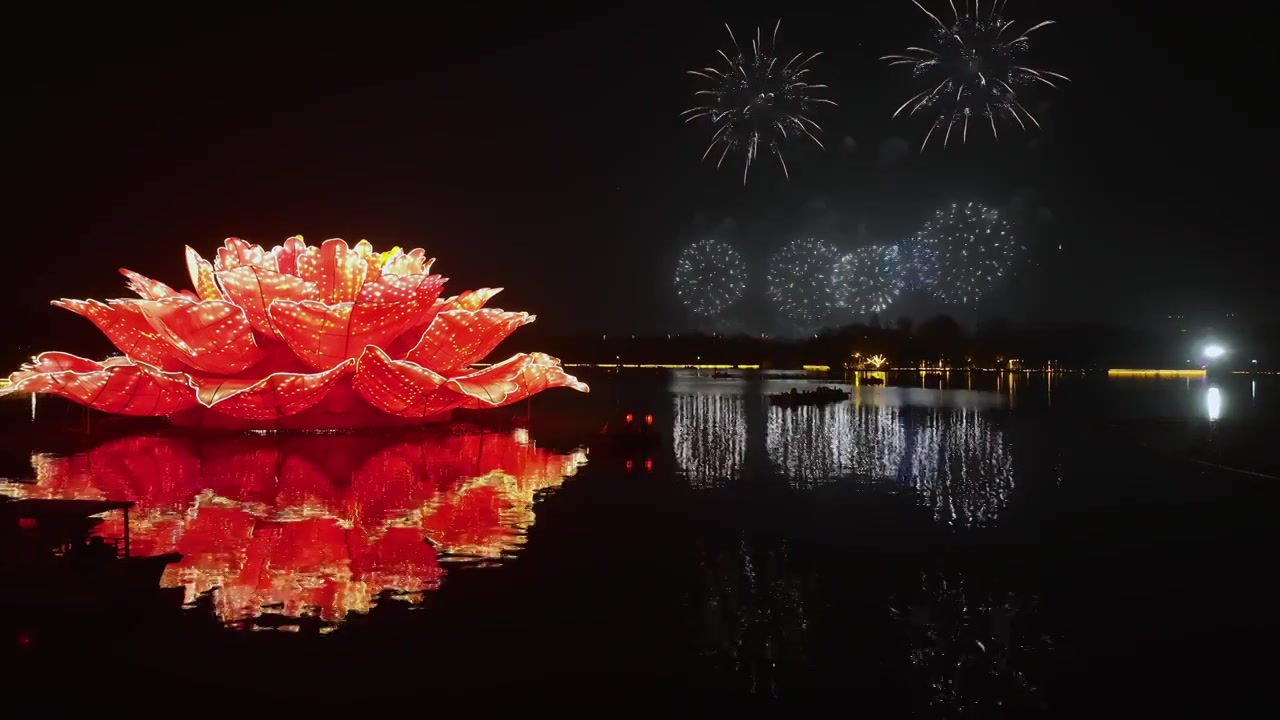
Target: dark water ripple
[(1019, 549)]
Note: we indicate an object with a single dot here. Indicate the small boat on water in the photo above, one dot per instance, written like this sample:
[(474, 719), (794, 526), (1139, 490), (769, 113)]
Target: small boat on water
[(50, 560), (819, 396), (789, 376)]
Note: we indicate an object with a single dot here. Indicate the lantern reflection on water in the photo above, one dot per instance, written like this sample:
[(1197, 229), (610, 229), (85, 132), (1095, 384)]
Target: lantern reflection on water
[(309, 523)]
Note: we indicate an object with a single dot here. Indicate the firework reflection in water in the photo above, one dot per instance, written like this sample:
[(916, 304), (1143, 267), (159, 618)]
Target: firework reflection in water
[(966, 646), (709, 437), (753, 611), (956, 460)]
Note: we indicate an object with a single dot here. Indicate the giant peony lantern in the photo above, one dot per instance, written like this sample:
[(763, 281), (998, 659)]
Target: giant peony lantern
[(297, 337)]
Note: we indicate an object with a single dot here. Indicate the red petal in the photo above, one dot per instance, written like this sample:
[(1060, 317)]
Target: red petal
[(469, 300), (278, 395), (254, 289), (127, 329), (336, 270), (325, 335), (236, 253), (458, 338), (418, 255), (406, 389), (287, 254), (415, 263), (201, 271), (423, 289), (372, 260), (394, 386), (53, 362), (512, 380), (114, 386), (213, 336), (150, 289)]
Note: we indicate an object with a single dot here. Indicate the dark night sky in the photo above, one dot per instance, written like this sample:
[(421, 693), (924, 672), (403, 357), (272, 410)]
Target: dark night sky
[(542, 150)]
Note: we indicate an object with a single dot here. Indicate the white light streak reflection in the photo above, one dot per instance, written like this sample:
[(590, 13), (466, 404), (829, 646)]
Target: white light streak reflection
[(753, 609), (1213, 403), (946, 447), (810, 444), (996, 637), (709, 435), (958, 462)]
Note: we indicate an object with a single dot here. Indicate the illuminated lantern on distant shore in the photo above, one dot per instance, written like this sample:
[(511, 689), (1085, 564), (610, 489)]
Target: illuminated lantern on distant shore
[(296, 337)]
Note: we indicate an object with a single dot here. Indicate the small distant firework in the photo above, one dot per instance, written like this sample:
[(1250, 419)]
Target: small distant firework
[(800, 281), (710, 277), (973, 72), (916, 264), (757, 103), (975, 249), (866, 280)]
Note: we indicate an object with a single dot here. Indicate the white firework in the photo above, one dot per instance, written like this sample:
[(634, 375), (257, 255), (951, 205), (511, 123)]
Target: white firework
[(973, 72), (866, 280), (916, 264), (710, 277), (758, 101), (975, 248), (800, 281)]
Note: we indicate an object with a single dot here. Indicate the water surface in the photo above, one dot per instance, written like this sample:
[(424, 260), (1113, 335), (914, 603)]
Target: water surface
[(948, 545)]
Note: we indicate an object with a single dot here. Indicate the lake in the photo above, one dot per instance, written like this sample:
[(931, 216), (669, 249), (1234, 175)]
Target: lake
[(945, 545)]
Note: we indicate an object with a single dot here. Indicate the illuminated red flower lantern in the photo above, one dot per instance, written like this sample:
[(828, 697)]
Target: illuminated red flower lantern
[(297, 337)]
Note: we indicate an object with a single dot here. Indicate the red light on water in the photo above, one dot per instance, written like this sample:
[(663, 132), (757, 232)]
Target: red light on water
[(466, 491), (630, 418), (648, 419), (648, 464), (26, 523), (24, 640), (630, 464)]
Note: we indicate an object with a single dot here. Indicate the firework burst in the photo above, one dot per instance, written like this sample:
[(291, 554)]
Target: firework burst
[(973, 72), (800, 281), (866, 280), (710, 277), (974, 247), (757, 102), (916, 263)]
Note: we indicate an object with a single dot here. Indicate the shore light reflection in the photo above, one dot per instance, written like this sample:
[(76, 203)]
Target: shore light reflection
[(1213, 403)]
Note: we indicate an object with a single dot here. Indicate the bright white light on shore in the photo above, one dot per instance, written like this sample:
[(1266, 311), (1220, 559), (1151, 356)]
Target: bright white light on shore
[(1214, 351)]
